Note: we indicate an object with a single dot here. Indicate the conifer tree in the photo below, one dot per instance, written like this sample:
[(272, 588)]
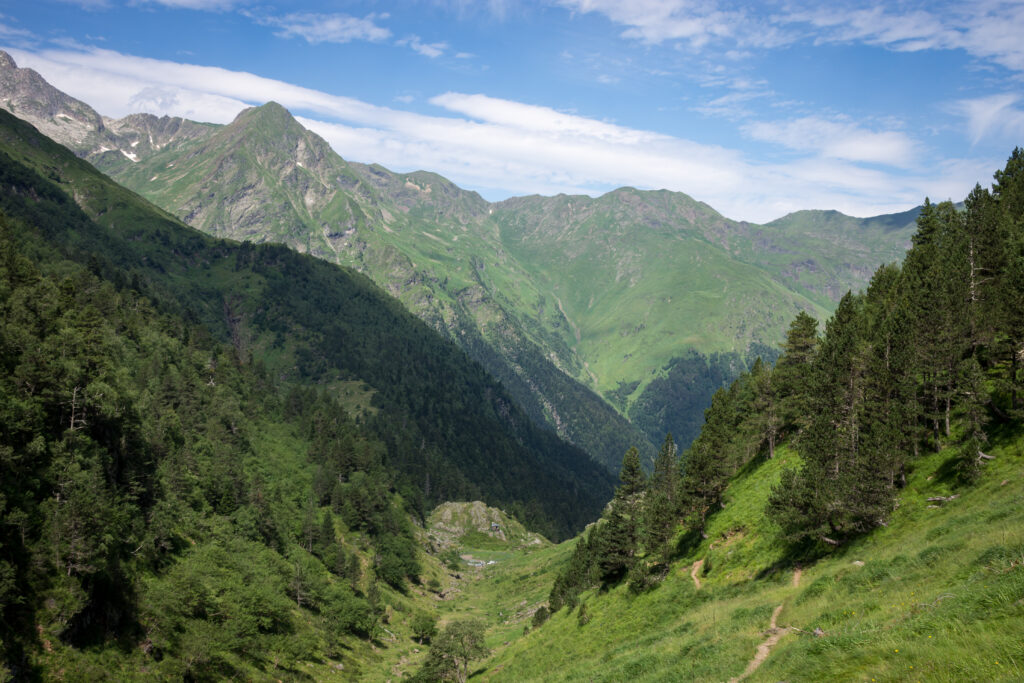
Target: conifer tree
[(660, 504), (1008, 193), (707, 467), (631, 475), (618, 537), (792, 371), (765, 409)]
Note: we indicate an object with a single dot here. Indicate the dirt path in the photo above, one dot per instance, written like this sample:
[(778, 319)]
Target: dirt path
[(697, 566), (774, 634)]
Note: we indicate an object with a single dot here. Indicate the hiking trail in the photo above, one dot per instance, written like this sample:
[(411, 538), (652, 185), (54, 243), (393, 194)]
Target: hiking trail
[(774, 634)]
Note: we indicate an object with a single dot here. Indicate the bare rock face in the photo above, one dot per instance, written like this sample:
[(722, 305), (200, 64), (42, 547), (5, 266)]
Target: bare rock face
[(451, 521), (25, 93), (106, 142)]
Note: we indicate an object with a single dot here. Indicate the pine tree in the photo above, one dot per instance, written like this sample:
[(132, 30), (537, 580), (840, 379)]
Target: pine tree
[(1008, 193), (632, 478), (707, 467), (326, 541), (618, 537), (791, 373), (765, 409), (660, 504)]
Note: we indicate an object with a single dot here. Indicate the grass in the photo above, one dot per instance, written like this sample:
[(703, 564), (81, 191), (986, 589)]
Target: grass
[(938, 595)]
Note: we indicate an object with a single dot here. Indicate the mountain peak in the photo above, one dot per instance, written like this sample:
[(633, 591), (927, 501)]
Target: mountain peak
[(6, 61), (269, 112)]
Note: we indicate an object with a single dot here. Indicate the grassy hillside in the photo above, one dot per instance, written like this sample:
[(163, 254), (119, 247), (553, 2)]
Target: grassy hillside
[(937, 595), (639, 280)]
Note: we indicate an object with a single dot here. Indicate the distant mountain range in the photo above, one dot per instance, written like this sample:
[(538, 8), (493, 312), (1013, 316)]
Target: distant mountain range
[(612, 318)]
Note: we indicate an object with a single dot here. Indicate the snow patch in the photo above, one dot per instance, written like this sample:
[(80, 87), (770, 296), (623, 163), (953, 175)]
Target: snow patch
[(131, 156), (135, 144)]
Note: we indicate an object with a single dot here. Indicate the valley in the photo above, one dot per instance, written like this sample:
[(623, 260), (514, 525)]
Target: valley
[(935, 596), (268, 414)]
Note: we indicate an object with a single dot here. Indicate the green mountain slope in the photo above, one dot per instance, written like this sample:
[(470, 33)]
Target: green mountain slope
[(882, 539), (814, 267), (266, 178), (934, 596), (642, 276), (650, 299), (449, 429)]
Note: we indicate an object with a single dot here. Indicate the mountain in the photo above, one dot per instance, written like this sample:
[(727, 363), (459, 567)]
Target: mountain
[(851, 513), (449, 429), (265, 178), (635, 304)]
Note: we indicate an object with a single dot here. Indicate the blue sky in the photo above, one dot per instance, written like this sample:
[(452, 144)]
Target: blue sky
[(755, 109)]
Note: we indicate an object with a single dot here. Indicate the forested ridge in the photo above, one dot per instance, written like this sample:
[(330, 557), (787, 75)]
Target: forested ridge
[(182, 493), (927, 359), (161, 495), (451, 430)]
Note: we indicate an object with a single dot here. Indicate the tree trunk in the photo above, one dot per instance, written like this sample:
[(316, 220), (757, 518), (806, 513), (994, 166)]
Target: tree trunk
[(947, 415)]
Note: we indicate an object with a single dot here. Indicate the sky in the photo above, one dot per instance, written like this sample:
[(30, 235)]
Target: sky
[(755, 109)]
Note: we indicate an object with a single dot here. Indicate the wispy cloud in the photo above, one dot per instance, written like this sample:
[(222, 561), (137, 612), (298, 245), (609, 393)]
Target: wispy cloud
[(208, 5), (13, 34), (832, 139), (989, 29), (503, 147), (695, 22), (986, 29), (994, 115), (328, 28), (432, 50)]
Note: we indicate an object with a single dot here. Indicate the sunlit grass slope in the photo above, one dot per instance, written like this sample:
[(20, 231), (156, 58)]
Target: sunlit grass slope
[(937, 595)]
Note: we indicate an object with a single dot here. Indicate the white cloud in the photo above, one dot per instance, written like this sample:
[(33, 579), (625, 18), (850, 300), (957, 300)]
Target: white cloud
[(837, 140), (989, 29), (208, 5), (694, 21), (502, 147), (431, 50), (992, 116), (328, 28), (986, 29), (14, 34)]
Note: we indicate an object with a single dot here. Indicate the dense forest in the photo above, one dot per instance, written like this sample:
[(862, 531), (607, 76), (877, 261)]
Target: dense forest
[(144, 495), (187, 487), (930, 356)]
